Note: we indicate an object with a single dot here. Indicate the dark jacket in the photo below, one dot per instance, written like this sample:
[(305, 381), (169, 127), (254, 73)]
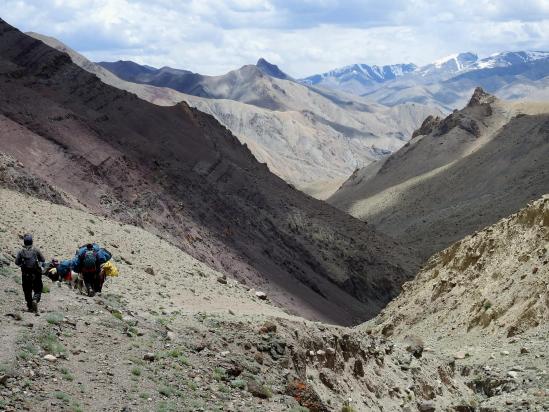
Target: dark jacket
[(27, 256)]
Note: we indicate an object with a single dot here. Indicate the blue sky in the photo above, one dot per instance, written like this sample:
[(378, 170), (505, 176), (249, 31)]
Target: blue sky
[(302, 37)]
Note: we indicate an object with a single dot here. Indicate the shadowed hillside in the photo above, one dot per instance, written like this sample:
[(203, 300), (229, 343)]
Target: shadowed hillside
[(178, 173)]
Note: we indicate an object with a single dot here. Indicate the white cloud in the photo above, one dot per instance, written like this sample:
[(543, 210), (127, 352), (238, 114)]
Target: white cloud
[(303, 37)]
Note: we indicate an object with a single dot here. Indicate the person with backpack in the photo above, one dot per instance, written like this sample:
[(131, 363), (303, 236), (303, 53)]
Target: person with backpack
[(88, 261), (29, 259), (88, 266)]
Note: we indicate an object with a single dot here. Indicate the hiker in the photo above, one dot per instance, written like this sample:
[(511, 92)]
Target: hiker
[(88, 266), (29, 260), (59, 271), (88, 261)]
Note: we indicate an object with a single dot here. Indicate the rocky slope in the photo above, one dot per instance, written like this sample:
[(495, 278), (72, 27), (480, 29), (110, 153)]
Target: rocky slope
[(485, 301), (178, 173), (310, 134), (168, 335), (456, 175), (301, 133)]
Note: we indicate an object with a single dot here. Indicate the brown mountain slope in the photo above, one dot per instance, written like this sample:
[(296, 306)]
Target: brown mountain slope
[(461, 174), (495, 281), (484, 302), (178, 173), (302, 134)]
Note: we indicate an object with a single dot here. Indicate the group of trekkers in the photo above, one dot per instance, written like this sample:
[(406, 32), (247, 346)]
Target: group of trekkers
[(89, 266)]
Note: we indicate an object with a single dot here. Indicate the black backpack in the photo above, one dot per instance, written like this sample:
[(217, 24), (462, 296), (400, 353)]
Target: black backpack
[(89, 261), (29, 258)]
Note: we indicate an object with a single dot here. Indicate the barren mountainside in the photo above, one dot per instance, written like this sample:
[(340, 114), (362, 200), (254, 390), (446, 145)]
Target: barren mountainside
[(167, 335), (178, 173), (456, 176), (300, 133)]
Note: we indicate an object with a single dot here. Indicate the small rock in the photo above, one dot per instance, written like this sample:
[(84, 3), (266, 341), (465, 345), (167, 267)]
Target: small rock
[(258, 358), (50, 358), (4, 379), (320, 352), (460, 355), (261, 295), (426, 406), (222, 280), (327, 378), (268, 327), (16, 316), (512, 374), (170, 335), (259, 391), (358, 369), (149, 356), (330, 351), (225, 353), (504, 353), (524, 350), (149, 271), (414, 345)]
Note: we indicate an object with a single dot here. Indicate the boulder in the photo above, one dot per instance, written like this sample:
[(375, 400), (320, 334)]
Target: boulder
[(268, 327), (258, 390), (426, 406), (414, 345), (149, 356)]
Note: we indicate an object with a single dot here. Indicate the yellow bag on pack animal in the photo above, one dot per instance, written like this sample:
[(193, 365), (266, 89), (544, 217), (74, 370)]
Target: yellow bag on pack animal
[(109, 269)]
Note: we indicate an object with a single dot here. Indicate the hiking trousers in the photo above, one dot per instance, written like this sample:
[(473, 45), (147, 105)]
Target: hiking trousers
[(31, 281), (94, 281)]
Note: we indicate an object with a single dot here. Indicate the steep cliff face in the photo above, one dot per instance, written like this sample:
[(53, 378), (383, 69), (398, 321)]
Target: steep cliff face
[(180, 174)]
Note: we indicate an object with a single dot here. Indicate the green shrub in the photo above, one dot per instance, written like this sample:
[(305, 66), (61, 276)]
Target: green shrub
[(238, 383), (219, 374), (50, 343), (67, 375), (62, 396), (54, 318)]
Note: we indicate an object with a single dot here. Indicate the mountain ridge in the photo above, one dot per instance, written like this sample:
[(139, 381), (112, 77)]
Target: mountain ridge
[(428, 193), (178, 173)]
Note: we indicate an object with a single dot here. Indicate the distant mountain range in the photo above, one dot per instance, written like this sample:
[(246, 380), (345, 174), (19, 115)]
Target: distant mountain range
[(357, 78), (445, 83), (312, 137)]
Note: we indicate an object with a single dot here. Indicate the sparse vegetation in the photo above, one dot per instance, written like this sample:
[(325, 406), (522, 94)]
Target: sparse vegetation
[(62, 396), (219, 374), (67, 375), (168, 391), (117, 314), (238, 383), (347, 407), (50, 343), (54, 318), (136, 371)]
